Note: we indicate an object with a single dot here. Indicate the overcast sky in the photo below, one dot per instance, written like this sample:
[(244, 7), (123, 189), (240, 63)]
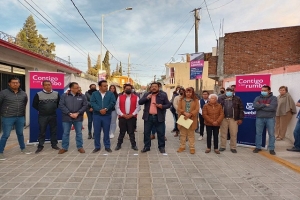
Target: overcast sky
[(151, 32)]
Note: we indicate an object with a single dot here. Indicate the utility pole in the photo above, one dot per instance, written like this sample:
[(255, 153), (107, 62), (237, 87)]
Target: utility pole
[(128, 69), (154, 78), (197, 20)]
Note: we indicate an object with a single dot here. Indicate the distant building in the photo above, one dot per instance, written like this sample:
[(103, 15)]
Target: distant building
[(253, 51)]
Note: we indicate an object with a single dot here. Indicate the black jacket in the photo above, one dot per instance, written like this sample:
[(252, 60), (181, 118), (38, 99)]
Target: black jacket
[(13, 104), (161, 98)]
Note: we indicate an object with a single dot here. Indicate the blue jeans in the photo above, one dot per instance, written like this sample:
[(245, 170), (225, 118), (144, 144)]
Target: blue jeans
[(7, 125), (160, 129), (297, 135), (101, 122), (90, 121), (66, 135), (113, 122), (260, 125)]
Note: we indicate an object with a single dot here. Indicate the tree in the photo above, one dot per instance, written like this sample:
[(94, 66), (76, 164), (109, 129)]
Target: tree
[(29, 38), (89, 62), (106, 65), (120, 69)]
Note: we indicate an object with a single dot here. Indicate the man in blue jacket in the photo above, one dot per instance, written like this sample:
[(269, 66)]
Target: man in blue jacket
[(156, 103), (102, 102), (265, 106), (72, 104)]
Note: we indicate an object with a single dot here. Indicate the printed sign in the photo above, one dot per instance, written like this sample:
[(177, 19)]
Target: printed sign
[(251, 83), (37, 78), (196, 65)]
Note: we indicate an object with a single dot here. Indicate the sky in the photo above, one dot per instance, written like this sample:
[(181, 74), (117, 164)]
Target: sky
[(151, 33)]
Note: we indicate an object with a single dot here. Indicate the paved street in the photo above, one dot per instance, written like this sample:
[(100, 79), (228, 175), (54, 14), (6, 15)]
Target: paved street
[(130, 175)]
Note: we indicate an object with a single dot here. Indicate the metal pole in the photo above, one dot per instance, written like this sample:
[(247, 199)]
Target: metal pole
[(128, 68), (102, 27), (197, 19)]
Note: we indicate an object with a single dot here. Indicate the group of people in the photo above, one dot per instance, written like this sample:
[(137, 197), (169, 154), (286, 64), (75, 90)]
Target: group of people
[(224, 113)]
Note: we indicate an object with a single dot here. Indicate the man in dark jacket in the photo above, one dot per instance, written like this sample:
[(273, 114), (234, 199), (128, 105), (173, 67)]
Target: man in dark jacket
[(156, 104), (72, 105), (103, 103), (234, 115), (89, 110), (46, 102), (13, 103), (265, 106)]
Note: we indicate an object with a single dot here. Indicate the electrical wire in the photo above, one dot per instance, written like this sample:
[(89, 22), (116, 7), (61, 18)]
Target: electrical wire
[(167, 40), (93, 31), (61, 29), (222, 5), (146, 52), (49, 27), (210, 20), (182, 42)]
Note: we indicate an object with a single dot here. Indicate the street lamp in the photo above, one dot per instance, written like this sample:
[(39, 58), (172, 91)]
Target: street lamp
[(102, 27)]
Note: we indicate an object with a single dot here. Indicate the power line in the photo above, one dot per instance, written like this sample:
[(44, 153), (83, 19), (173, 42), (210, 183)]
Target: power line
[(182, 41), (58, 26), (222, 5), (166, 40), (210, 19), (48, 26), (146, 52), (93, 31)]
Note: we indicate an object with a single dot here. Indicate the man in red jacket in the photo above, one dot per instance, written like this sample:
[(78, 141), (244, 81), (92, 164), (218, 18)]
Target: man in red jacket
[(127, 108)]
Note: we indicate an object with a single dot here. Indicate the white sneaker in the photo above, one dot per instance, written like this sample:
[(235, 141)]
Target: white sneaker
[(200, 138), (25, 151), (111, 136), (2, 158)]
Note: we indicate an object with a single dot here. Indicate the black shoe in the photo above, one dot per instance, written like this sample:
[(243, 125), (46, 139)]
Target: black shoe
[(233, 150), (222, 149), (95, 150), (90, 136), (256, 150), (293, 149), (108, 150), (39, 149), (272, 152), (135, 148), (118, 147), (144, 150), (56, 148), (162, 150)]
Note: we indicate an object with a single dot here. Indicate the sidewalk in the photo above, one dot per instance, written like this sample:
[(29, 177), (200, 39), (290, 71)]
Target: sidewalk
[(130, 175)]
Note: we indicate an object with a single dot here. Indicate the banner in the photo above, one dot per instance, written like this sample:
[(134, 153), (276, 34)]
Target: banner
[(36, 84), (248, 87), (196, 65)]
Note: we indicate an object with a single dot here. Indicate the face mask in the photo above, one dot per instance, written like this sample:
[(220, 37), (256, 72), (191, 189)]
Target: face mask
[(128, 91), (264, 93), (222, 91), (181, 94), (229, 94)]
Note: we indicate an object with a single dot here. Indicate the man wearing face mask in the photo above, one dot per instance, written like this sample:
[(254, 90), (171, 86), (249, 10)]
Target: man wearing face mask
[(127, 107), (234, 115), (89, 110), (222, 91), (265, 106)]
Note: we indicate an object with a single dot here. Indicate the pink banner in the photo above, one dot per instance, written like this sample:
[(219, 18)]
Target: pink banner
[(36, 79), (252, 83)]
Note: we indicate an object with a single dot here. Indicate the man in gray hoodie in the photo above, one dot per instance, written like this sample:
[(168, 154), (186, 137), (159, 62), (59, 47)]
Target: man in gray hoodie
[(265, 106)]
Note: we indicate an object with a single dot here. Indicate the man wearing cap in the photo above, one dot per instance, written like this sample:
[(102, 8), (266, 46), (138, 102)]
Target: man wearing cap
[(234, 115)]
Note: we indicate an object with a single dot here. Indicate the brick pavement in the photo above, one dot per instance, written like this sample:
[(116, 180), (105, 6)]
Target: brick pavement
[(123, 175)]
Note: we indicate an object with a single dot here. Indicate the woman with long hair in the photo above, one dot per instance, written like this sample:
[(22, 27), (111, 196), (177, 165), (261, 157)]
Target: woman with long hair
[(213, 115), (113, 122), (188, 106)]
